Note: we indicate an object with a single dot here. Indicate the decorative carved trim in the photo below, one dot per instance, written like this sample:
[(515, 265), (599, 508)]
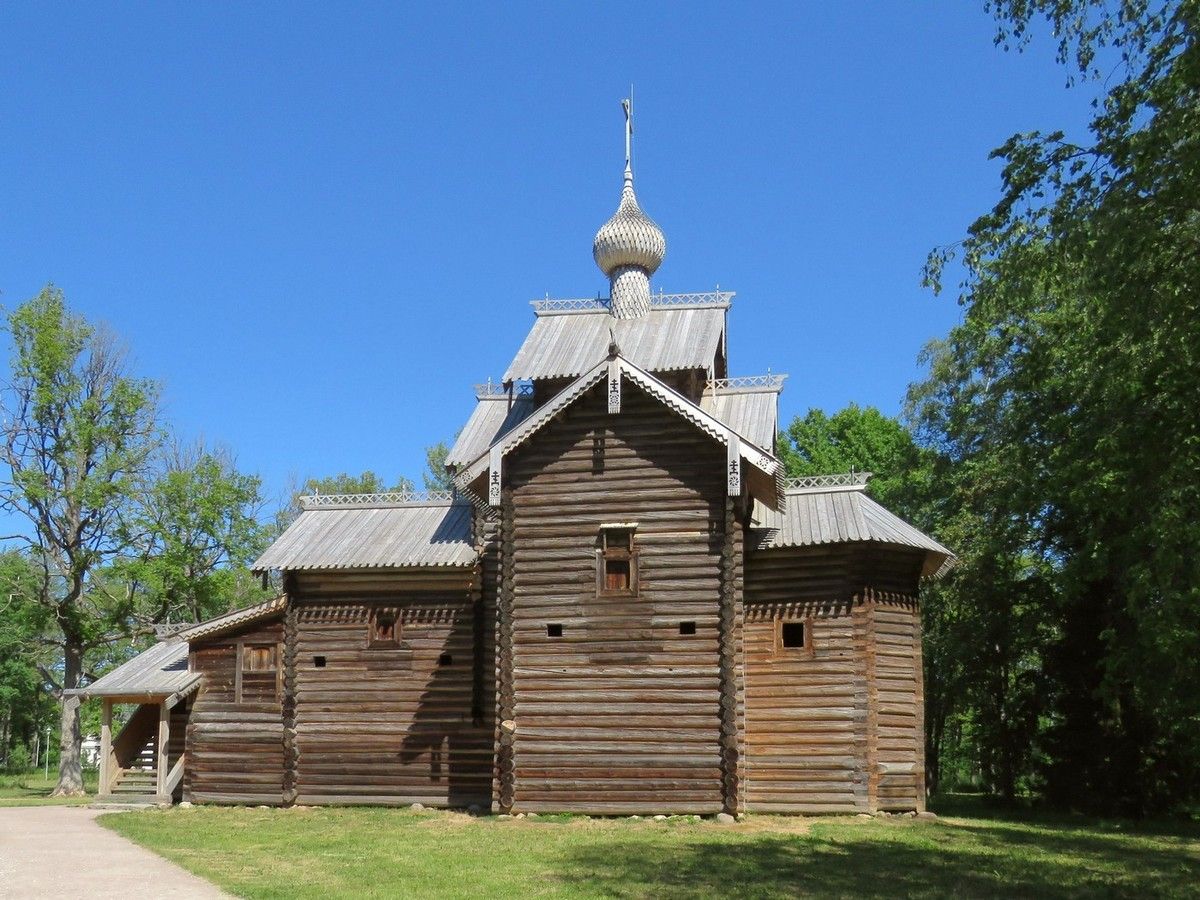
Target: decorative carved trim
[(845, 479), (492, 390), (551, 306), (382, 498), (746, 384)]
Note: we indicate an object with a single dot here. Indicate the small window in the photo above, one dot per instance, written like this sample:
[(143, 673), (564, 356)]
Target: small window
[(319, 662), (554, 629), (258, 658), (616, 574), (687, 627), (445, 660), (384, 629), (792, 634), (616, 564), (257, 680)]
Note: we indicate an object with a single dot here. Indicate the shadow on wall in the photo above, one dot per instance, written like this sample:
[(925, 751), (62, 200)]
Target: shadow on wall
[(452, 726)]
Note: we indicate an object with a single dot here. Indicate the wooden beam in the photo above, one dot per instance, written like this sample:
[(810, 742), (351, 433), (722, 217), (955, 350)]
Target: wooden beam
[(174, 777), (164, 737), (106, 755)]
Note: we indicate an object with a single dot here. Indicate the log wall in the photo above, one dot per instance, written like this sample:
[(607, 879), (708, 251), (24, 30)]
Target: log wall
[(392, 725), (622, 713), (836, 725), (899, 695), (235, 750)]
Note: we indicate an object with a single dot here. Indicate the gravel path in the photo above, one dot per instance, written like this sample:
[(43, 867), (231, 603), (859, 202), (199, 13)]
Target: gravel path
[(60, 851)]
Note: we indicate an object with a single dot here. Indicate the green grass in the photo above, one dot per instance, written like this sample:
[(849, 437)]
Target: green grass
[(330, 853), (33, 789)]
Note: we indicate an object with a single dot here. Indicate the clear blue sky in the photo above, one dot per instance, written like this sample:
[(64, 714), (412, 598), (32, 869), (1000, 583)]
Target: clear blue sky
[(319, 224)]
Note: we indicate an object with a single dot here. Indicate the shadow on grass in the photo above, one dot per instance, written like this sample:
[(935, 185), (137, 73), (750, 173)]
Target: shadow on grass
[(878, 860), (987, 808)]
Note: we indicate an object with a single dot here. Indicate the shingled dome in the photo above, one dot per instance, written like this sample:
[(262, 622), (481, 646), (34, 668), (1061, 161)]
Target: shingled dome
[(630, 237)]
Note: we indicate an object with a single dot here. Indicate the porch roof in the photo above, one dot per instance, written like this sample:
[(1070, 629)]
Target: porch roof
[(157, 672)]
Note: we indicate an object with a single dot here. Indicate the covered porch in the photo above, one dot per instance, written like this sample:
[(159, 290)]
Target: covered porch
[(144, 762)]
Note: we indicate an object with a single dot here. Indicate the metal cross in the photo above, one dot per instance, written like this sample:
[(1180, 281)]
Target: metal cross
[(627, 105)]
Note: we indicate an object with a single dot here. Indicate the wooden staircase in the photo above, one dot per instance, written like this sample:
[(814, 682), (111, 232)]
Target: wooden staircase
[(134, 761)]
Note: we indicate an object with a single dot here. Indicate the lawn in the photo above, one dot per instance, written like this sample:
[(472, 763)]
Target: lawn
[(34, 789), (397, 853)]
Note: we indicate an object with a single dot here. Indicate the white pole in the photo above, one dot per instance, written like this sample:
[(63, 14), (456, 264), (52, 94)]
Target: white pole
[(46, 753)]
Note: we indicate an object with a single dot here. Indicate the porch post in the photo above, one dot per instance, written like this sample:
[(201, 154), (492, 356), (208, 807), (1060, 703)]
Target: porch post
[(164, 737), (106, 772)]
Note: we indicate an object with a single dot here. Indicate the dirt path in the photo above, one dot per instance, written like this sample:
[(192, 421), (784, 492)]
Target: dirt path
[(60, 851)]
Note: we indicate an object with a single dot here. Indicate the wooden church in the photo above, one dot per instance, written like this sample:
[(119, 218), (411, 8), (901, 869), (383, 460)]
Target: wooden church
[(624, 607)]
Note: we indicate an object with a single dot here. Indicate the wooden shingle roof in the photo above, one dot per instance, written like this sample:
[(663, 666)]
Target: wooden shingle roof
[(493, 417), (160, 671), (665, 339), (374, 532), (838, 514), (751, 414)]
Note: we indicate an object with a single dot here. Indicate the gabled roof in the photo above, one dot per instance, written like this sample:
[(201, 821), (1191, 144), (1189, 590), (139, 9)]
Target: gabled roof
[(373, 531), (665, 339), (843, 513), (494, 415), (160, 671), (756, 456)]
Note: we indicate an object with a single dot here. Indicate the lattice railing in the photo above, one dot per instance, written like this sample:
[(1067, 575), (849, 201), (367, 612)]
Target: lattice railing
[(766, 382), (550, 305), (845, 479), (381, 498), (497, 389)]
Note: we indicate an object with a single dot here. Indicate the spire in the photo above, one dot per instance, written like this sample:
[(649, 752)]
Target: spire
[(629, 247)]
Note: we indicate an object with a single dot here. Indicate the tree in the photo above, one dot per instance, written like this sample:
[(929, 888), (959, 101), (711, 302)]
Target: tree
[(78, 432), (342, 483), (192, 533), (858, 439), (436, 477), (1066, 400), (23, 622)]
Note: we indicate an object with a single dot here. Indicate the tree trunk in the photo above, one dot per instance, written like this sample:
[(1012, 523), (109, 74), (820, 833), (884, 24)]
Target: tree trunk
[(70, 767)]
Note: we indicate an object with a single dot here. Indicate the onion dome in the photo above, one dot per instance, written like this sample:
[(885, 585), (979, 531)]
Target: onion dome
[(629, 247), (630, 237)]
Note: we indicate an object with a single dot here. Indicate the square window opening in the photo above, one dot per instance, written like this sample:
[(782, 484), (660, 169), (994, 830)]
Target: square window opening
[(319, 662), (445, 660), (554, 630), (792, 635), (384, 629), (687, 627)]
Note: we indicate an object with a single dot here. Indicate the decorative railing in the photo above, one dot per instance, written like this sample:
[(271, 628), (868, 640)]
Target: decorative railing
[(753, 383), (845, 479), (381, 498), (552, 306), (497, 389)]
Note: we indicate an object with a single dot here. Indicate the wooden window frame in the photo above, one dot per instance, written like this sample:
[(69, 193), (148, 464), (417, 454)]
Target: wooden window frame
[(239, 663), (807, 649), (606, 554), (374, 643)]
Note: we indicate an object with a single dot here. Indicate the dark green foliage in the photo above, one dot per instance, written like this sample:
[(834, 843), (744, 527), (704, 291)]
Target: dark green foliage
[(1065, 405), (436, 477)]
